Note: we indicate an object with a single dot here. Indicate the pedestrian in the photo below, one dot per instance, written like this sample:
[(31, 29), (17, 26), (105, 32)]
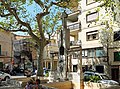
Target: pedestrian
[(29, 84), (37, 83)]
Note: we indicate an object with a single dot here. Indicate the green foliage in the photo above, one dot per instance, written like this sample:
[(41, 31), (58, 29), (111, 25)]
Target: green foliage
[(27, 11), (94, 79), (106, 36), (91, 78), (37, 17)]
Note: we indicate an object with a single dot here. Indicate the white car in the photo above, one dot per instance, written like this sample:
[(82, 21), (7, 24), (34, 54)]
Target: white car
[(100, 78), (4, 76)]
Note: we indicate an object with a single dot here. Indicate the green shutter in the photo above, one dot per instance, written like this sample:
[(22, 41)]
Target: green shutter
[(116, 56)]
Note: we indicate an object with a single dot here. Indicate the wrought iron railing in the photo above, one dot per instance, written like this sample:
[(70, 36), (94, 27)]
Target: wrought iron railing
[(74, 26), (73, 43)]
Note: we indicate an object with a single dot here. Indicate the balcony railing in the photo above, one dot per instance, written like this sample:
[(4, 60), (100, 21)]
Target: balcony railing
[(73, 43), (74, 26)]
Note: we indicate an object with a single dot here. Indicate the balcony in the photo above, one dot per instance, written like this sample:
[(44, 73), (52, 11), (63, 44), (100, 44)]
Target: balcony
[(74, 26), (74, 43), (73, 17)]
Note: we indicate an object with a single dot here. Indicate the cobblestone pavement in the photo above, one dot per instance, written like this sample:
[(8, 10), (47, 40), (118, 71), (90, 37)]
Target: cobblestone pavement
[(5, 85), (13, 84)]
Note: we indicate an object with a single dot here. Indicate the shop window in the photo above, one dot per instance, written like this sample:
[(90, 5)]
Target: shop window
[(116, 56), (93, 35), (92, 17), (90, 2)]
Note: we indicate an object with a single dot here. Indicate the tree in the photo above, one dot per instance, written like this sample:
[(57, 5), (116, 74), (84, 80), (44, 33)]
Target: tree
[(106, 38), (110, 23), (114, 6), (18, 15), (16, 18)]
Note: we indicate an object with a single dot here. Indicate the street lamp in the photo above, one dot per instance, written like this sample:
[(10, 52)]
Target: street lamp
[(79, 43)]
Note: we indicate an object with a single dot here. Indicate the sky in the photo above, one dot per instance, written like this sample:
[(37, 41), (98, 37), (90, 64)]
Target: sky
[(32, 10)]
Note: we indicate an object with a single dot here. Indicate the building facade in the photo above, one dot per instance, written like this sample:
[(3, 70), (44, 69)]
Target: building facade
[(92, 18), (23, 45), (6, 49), (50, 54)]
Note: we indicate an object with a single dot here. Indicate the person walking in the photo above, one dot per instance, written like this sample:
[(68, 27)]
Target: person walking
[(29, 84)]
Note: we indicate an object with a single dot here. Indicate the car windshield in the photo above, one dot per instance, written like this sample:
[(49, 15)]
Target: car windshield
[(105, 77), (1, 72)]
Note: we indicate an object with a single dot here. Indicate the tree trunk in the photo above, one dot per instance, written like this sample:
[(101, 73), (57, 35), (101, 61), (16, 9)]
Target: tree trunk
[(40, 50)]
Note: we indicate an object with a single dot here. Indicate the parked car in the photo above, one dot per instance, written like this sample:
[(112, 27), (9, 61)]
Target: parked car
[(98, 77), (27, 73), (4, 76)]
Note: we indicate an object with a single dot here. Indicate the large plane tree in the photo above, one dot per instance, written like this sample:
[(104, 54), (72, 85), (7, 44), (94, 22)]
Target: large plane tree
[(36, 17)]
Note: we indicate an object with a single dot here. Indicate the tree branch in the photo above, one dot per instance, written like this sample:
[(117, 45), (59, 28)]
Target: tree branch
[(5, 15), (13, 12), (40, 3), (39, 20), (17, 30)]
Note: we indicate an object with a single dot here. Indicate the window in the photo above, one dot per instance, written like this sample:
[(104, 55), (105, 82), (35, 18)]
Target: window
[(49, 65), (75, 55), (89, 1), (93, 35), (100, 69), (91, 53), (84, 53), (75, 68), (92, 17), (117, 36), (116, 56), (100, 52)]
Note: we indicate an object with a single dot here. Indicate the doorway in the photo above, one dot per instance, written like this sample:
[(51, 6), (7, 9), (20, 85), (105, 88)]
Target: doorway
[(100, 69), (115, 73)]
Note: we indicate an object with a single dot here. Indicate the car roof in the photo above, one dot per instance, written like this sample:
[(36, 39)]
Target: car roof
[(93, 72)]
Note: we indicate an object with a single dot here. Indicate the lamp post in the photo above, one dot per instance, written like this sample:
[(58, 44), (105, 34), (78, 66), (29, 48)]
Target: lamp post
[(80, 66)]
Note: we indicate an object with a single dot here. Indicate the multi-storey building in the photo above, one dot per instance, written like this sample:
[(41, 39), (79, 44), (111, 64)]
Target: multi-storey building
[(6, 49), (91, 18), (23, 45), (50, 55), (24, 55)]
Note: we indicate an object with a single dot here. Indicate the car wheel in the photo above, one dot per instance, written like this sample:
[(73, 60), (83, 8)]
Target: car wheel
[(7, 78)]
